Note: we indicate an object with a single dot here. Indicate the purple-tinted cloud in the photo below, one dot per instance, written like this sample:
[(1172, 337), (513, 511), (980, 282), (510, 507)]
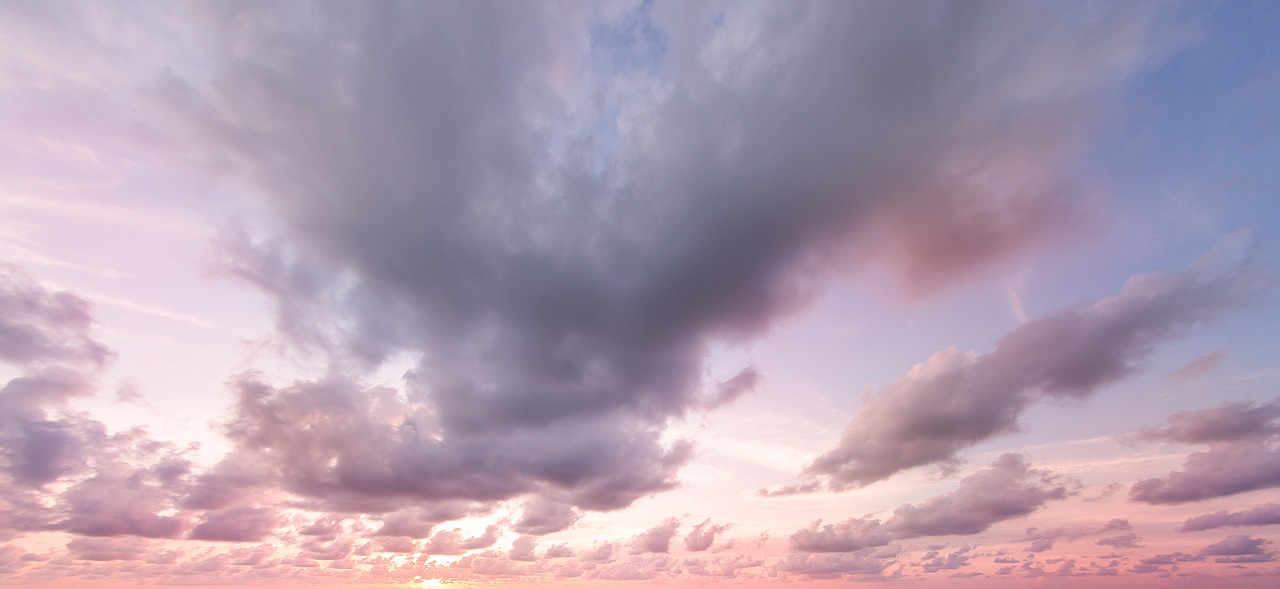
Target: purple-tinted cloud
[(522, 549), (956, 400), (935, 561), (561, 287), (1009, 489), (1238, 549), (1242, 454), (237, 524), (40, 327), (1198, 367), (1262, 515), (848, 536), (703, 535), (542, 515), (656, 539), (831, 566)]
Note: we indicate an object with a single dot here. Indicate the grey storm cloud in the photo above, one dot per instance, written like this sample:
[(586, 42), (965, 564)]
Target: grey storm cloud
[(1010, 488), (1242, 454), (958, 399), (557, 252)]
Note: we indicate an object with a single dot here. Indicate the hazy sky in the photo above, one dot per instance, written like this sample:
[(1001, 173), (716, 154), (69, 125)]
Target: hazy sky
[(604, 294)]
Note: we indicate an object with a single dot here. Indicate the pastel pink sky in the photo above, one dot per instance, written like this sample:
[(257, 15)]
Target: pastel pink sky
[(948, 294)]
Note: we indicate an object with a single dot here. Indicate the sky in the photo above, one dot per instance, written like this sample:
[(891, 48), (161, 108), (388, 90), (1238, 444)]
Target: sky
[(612, 294)]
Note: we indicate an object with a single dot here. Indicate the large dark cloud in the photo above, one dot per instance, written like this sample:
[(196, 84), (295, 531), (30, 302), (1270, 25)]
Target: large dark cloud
[(1242, 455), (958, 399), (556, 223)]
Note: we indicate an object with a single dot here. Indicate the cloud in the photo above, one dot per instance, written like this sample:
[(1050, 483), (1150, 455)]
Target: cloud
[(1197, 367), (935, 561), (41, 328), (452, 542), (522, 549), (1241, 457), (1008, 489), (831, 565), (558, 255), (656, 539), (1238, 549), (369, 449), (1262, 515), (237, 524), (958, 399), (703, 535), (541, 515), (848, 536), (1129, 540)]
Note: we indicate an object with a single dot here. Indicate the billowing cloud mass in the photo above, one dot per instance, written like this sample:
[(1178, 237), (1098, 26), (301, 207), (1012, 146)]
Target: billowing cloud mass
[(560, 286), (1242, 456), (958, 399), (513, 276)]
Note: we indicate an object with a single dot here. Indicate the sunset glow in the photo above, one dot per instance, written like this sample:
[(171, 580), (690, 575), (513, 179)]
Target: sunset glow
[(616, 294)]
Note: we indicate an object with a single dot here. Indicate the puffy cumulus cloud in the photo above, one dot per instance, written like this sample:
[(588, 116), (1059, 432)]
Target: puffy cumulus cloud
[(848, 536), (958, 399), (559, 551), (1242, 454), (656, 539), (1238, 549), (522, 549), (1262, 515), (1009, 489), (558, 246), (46, 336), (60, 469), (42, 328), (453, 542), (934, 561), (703, 535), (103, 549), (831, 565), (542, 515), (1043, 540), (352, 448), (237, 524)]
